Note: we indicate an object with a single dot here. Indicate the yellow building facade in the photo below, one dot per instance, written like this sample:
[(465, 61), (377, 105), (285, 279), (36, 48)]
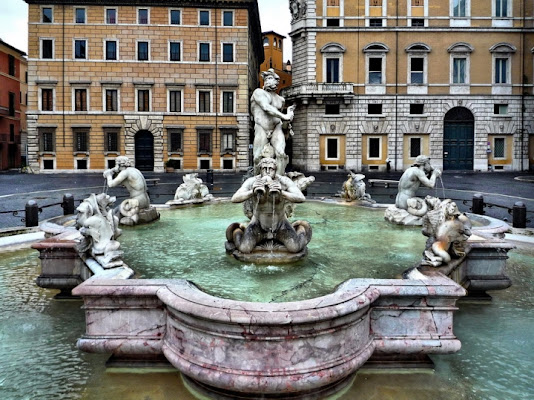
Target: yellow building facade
[(379, 82), (163, 85), (273, 48)]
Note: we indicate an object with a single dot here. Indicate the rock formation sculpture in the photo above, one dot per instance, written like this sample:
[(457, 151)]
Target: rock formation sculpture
[(354, 188), (409, 209), (191, 191), (269, 228), (136, 209), (99, 229)]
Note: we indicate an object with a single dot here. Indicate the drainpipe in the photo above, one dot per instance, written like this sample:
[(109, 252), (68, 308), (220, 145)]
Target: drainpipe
[(522, 86), (63, 76), (216, 100), (396, 82)]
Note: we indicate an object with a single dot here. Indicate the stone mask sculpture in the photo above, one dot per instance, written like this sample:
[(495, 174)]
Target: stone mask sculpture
[(135, 209), (192, 190), (354, 188)]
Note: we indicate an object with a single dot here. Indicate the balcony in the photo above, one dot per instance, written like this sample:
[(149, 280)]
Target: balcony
[(319, 91)]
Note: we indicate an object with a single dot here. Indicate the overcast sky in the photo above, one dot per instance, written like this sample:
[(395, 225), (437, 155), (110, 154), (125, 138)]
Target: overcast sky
[(274, 15)]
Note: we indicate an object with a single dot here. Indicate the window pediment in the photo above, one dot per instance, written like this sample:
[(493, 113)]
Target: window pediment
[(376, 47), (333, 48), (461, 47), (503, 48), (418, 48)]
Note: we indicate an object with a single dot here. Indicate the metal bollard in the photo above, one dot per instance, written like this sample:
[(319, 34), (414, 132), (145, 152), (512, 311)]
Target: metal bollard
[(32, 213), (478, 204), (519, 214), (209, 178), (68, 204)]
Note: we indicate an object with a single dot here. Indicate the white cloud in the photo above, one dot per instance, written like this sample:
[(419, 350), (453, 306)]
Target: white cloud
[(275, 16)]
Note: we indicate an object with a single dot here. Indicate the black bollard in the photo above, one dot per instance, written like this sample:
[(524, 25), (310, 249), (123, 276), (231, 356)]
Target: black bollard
[(32, 213), (478, 204), (68, 204), (209, 178), (519, 214)]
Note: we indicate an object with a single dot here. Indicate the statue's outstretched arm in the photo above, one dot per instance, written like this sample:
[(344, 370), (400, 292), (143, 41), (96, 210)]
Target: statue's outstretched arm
[(112, 182)]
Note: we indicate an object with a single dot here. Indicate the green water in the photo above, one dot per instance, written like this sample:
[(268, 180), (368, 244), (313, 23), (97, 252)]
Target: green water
[(348, 242), (39, 359)]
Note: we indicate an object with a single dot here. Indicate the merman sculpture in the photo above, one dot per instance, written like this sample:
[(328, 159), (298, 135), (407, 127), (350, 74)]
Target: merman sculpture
[(409, 209), (136, 209), (354, 188), (269, 228), (192, 190)]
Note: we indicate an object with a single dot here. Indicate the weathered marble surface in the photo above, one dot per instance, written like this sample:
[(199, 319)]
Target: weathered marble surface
[(270, 348), (191, 191)]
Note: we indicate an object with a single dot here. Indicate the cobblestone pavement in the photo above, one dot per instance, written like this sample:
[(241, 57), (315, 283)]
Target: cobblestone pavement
[(501, 190)]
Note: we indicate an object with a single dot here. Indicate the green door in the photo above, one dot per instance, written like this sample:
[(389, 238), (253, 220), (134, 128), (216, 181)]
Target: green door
[(458, 139), (144, 151)]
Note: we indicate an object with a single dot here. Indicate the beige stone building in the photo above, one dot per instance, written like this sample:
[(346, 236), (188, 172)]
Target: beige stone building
[(378, 81), (155, 81)]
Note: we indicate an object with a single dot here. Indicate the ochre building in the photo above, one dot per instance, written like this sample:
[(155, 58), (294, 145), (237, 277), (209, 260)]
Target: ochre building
[(13, 101), (164, 83), (273, 48), (379, 82)]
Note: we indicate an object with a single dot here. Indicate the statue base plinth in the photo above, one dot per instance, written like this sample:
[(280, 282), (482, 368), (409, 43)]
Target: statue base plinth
[(267, 253), (399, 216), (181, 202), (144, 216)]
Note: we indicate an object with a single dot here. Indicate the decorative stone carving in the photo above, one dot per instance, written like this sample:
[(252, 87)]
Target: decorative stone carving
[(354, 188), (136, 209), (298, 9), (448, 230), (409, 209), (191, 191), (99, 228), (302, 181), (269, 235)]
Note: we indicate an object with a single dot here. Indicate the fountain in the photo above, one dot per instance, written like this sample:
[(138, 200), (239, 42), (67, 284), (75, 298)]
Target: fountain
[(305, 348)]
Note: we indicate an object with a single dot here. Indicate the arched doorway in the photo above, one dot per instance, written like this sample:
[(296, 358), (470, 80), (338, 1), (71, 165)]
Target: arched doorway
[(458, 139), (144, 151)]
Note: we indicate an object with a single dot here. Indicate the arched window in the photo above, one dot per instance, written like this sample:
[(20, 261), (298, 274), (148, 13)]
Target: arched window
[(265, 41), (417, 78), (375, 66), (333, 62)]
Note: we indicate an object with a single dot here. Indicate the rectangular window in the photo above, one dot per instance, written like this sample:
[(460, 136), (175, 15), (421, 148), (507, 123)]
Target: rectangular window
[(416, 70), (332, 22), (204, 17), (375, 3), (500, 109), (458, 70), (81, 164), (418, 22), (47, 141), (11, 100), (418, 3), (332, 70), (373, 150), (175, 101), (459, 8), (47, 100), (142, 16), (48, 164), (80, 49), (47, 48), (11, 132), (501, 70), (111, 15), (204, 98), (375, 22), (499, 148), (11, 67), (143, 100), (142, 51), (331, 109), (112, 141), (175, 51), (227, 140), (204, 52), (417, 108), (111, 50), (415, 147), (228, 52), (175, 140), (79, 15), (176, 17), (375, 70), (204, 141), (47, 16), (228, 18), (80, 99), (228, 163), (112, 100), (228, 102), (332, 145), (374, 109), (501, 8), (81, 141)]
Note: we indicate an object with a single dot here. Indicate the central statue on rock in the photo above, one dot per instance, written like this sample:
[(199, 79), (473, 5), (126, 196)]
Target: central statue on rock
[(269, 196)]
